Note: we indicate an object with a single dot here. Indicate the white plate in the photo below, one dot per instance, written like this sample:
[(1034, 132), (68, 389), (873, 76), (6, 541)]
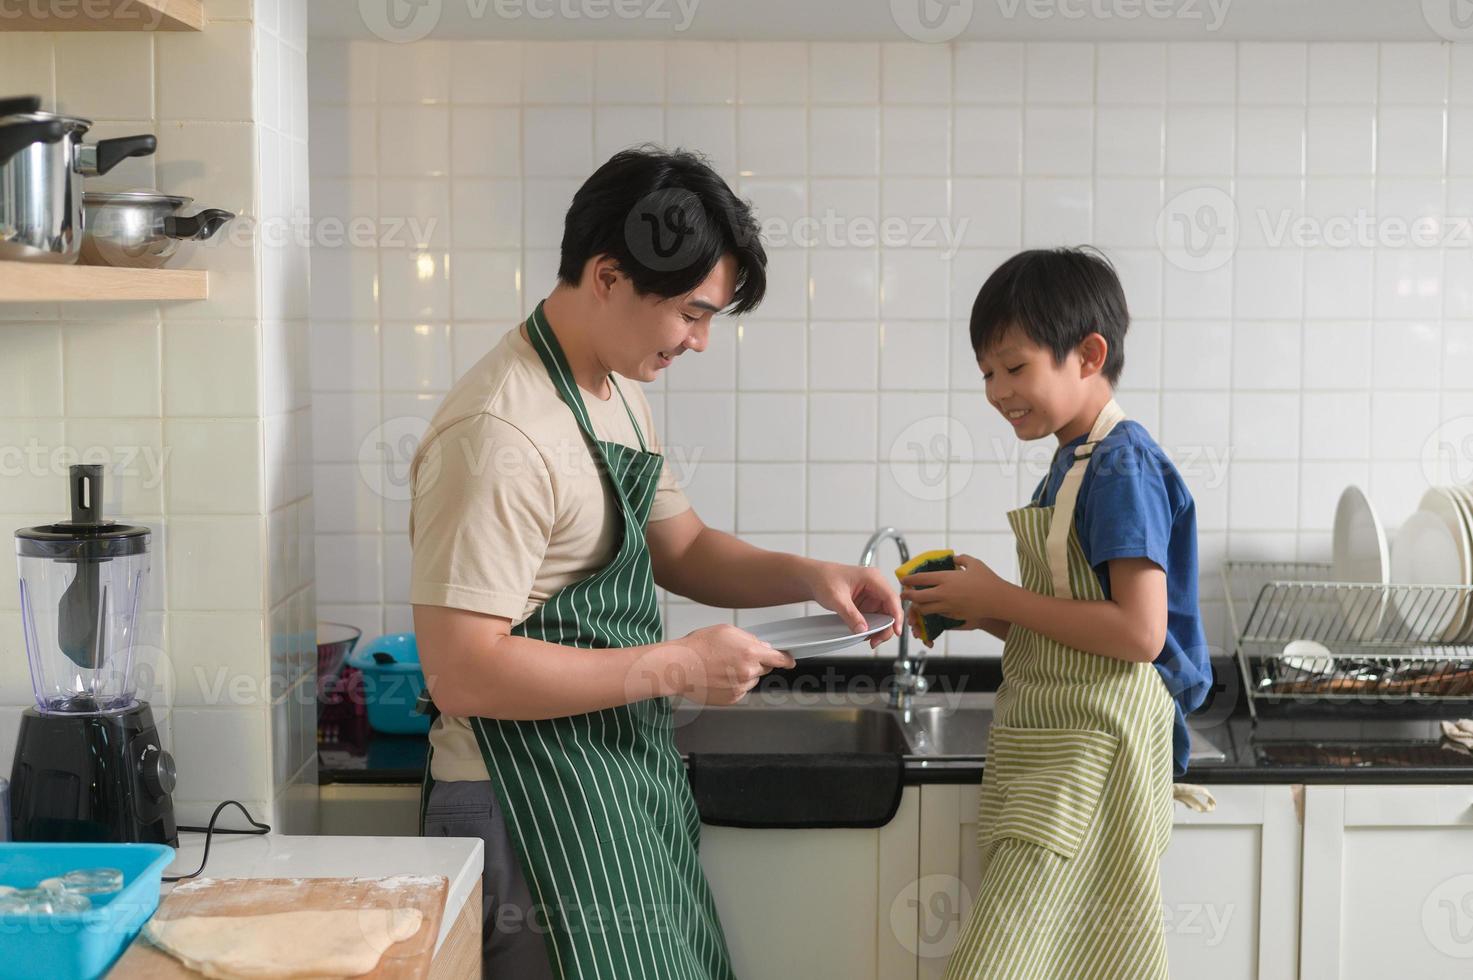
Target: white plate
[(1448, 504), (809, 636), (1463, 515), (1426, 552), (1308, 656), (1360, 555)]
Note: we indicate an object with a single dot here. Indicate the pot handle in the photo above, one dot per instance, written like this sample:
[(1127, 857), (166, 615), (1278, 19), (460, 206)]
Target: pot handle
[(16, 104), (18, 136), (196, 227), (106, 154)]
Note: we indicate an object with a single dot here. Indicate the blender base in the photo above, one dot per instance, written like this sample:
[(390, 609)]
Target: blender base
[(99, 777)]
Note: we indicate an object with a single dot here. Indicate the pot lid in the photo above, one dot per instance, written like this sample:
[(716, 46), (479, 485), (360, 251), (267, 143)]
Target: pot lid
[(135, 197), (72, 123)]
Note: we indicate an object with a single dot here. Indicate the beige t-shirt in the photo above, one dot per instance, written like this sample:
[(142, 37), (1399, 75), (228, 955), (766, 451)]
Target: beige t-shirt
[(509, 506)]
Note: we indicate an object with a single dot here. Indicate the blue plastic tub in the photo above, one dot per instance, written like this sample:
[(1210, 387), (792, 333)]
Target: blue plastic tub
[(81, 946), (392, 681)]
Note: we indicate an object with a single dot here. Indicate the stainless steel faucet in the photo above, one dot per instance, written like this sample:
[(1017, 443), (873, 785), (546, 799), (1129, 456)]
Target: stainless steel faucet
[(909, 680)]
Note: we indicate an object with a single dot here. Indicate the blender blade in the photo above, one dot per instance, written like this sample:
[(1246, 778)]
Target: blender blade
[(83, 610)]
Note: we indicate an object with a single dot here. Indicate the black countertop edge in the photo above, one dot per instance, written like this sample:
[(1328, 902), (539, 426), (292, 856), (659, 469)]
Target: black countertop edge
[(1224, 720), (971, 774)]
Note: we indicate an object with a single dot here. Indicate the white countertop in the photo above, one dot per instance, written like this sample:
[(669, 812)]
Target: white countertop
[(459, 859)]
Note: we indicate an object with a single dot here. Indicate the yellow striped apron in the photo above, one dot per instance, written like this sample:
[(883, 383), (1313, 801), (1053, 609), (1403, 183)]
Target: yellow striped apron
[(1075, 808)]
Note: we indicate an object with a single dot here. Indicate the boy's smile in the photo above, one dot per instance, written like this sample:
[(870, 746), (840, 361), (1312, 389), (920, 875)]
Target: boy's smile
[(1038, 396)]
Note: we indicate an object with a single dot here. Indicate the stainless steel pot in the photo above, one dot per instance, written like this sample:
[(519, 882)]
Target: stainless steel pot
[(141, 229), (42, 163)]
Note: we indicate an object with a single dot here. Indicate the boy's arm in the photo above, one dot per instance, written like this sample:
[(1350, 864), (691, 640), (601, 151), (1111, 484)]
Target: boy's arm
[(1129, 626)]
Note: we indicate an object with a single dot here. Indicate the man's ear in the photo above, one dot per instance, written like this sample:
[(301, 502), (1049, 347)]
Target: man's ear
[(1092, 352), (603, 272)]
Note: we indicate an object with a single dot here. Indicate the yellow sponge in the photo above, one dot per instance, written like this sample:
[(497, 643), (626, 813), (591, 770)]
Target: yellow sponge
[(928, 628)]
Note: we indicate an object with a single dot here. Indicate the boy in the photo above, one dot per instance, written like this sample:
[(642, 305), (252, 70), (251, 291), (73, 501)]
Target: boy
[(1104, 652)]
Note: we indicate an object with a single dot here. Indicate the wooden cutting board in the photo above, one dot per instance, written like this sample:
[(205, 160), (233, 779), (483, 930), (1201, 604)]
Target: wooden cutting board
[(407, 960)]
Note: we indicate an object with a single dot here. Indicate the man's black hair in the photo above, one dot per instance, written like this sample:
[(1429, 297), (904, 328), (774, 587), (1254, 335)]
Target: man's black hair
[(666, 218), (1056, 297)]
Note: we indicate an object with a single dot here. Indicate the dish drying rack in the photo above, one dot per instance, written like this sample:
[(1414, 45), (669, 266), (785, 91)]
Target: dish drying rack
[(1393, 650)]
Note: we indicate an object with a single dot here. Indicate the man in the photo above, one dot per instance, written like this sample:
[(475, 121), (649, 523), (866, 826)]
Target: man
[(543, 518)]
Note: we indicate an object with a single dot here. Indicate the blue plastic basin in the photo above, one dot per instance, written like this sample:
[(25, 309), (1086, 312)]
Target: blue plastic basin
[(391, 688), (83, 945)]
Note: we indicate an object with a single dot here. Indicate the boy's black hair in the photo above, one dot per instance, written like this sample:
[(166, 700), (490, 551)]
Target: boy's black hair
[(666, 218), (1056, 297)]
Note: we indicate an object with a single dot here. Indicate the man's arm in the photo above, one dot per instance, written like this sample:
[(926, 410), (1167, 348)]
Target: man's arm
[(474, 667), (718, 569)]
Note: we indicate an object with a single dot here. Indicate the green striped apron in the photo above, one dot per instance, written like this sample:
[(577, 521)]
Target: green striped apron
[(1075, 808), (598, 805)]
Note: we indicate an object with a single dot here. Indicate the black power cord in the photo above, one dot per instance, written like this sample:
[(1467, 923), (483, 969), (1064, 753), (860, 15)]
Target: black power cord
[(211, 830)]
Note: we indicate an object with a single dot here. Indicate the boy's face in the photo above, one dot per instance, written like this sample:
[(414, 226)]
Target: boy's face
[(1037, 395)]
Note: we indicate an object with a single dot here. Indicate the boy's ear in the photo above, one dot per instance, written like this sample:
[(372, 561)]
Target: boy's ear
[(1092, 352)]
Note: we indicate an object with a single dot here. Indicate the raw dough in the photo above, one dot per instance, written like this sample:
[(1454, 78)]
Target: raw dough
[(281, 945)]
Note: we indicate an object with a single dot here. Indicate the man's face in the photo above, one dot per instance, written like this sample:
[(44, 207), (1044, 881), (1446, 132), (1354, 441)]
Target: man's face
[(1036, 395), (647, 333)]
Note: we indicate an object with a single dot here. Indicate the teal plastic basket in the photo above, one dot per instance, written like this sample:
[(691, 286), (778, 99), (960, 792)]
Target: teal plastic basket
[(392, 681), (83, 945)]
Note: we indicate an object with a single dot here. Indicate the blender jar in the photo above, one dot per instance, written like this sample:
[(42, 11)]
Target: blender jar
[(81, 592)]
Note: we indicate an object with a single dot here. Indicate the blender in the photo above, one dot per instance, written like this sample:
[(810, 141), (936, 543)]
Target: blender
[(88, 764)]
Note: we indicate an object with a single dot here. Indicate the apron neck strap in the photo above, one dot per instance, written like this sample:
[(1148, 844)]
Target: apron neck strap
[(545, 343), (1057, 545)]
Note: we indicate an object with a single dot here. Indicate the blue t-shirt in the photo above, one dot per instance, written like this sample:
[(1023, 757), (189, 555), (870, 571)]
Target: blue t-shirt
[(1134, 504)]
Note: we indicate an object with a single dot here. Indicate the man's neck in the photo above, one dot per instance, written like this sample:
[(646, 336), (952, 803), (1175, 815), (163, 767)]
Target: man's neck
[(564, 313)]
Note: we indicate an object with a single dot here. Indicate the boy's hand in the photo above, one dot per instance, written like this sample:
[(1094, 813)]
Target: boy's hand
[(973, 592)]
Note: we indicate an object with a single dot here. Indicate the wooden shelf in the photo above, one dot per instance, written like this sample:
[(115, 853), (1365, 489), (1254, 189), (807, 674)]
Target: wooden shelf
[(107, 15), (29, 282)]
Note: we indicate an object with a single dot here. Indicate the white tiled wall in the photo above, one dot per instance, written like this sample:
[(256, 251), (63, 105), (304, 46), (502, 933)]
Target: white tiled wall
[(1275, 373), (200, 409)]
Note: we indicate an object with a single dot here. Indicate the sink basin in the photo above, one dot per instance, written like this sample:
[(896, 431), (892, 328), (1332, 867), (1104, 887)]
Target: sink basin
[(948, 731), (937, 732), (788, 730)]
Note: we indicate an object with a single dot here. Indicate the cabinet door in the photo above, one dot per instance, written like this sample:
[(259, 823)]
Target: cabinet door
[(1388, 882), (802, 903), (1229, 882), (1230, 886)]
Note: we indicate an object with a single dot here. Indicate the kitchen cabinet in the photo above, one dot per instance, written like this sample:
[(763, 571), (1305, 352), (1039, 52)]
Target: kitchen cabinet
[(1388, 882), (825, 904), (107, 15), (1372, 881), (31, 282), (1229, 882)]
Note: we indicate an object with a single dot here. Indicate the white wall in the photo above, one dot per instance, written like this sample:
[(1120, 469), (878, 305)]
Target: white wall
[(1304, 366), (200, 409)]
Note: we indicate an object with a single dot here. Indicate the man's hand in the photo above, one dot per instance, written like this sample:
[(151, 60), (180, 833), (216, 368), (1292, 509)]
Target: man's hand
[(851, 591), (722, 663), (972, 593)]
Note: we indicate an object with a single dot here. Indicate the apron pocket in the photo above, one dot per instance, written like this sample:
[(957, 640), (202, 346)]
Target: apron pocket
[(1046, 785)]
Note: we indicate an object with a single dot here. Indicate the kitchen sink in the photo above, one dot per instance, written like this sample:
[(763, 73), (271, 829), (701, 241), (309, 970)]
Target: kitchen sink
[(939, 730), (936, 730), (796, 729)]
